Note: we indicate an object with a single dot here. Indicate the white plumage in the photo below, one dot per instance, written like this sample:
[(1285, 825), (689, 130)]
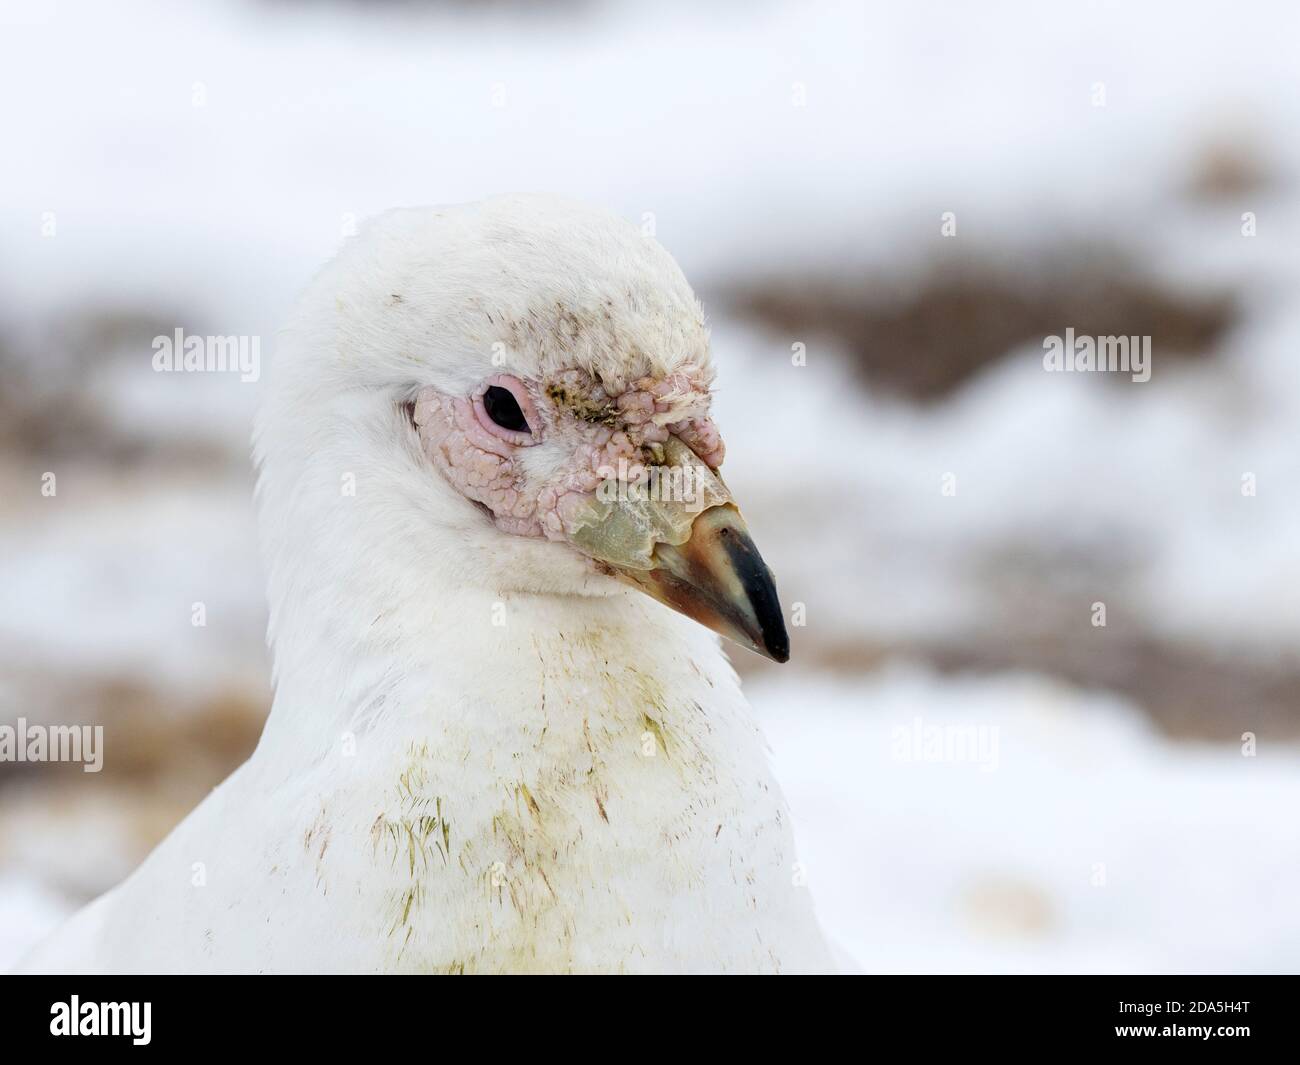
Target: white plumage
[(483, 754)]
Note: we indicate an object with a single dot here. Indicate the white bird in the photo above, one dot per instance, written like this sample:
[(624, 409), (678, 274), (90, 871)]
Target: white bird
[(488, 750)]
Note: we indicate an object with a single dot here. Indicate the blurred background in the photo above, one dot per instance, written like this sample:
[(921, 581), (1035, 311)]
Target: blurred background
[(886, 209)]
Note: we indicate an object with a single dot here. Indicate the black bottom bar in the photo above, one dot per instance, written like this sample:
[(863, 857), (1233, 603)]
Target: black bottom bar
[(1228, 1014)]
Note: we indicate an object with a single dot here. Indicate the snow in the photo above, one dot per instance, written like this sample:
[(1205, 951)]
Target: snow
[(1086, 844), (1045, 464), (29, 910), (110, 578), (235, 143)]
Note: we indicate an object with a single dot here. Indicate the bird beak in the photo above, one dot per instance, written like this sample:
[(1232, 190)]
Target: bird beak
[(692, 553), (718, 578)]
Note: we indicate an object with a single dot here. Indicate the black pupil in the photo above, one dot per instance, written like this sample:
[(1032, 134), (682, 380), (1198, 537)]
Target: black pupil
[(503, 408)]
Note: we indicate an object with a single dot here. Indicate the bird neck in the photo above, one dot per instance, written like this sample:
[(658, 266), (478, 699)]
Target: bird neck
[(495, 672)]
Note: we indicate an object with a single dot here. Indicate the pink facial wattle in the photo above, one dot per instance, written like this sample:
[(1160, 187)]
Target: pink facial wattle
[(600, 431)]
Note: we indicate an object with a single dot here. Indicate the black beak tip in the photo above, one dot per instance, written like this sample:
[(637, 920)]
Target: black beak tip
[(760, 588), (778, 645)]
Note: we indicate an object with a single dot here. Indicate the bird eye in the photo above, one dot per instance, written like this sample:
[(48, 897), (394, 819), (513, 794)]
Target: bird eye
[(503, 409)]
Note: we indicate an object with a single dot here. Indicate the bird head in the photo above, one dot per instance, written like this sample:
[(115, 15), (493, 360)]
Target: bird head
[(532, 375)]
